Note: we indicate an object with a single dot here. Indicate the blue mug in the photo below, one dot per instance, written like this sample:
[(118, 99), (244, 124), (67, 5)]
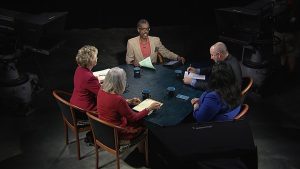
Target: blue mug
[(146, 94), (178, 73), (171, 91), (137, 72)]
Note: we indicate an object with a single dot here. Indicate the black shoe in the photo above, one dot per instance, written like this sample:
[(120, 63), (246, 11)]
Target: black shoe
[(88, 142)]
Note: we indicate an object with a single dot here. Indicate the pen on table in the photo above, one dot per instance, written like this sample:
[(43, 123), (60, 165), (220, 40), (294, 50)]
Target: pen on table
[(189, 69)]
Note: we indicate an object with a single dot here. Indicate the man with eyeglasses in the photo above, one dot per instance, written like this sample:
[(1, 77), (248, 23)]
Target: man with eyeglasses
[(218, 52), (143, 46)]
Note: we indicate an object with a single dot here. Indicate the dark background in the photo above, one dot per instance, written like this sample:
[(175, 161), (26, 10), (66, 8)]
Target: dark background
[(117, 13)]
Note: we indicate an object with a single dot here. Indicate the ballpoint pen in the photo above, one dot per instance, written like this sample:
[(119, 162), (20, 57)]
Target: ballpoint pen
[(189, 69)]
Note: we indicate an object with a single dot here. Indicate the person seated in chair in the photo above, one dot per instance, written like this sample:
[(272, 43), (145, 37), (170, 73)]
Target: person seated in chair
[(143, 46), (218, 52), (222, 100), (86, 85), (113, 108)]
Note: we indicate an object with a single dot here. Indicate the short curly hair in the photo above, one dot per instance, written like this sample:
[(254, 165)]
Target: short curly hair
[(86, 55)]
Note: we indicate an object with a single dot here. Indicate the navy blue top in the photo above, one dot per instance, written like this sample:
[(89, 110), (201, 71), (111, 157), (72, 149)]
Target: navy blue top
[(213, 108)]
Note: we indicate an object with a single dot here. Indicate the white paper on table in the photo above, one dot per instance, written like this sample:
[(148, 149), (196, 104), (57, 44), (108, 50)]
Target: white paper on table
[(194, 75), (170, 63), (101, 74)]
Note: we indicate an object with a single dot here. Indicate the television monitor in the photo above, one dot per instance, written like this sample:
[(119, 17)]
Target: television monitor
[(252, 23), (238, 24)]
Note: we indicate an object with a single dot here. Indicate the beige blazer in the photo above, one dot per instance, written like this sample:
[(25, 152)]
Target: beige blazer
[(134, 51)]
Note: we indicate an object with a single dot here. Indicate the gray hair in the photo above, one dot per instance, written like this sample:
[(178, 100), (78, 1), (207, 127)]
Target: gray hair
[(115, 81), (86, 55), (221, 47), (142, 21)]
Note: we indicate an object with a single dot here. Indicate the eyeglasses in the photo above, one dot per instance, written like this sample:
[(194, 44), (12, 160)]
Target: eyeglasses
[(216, 54), (145, 29)]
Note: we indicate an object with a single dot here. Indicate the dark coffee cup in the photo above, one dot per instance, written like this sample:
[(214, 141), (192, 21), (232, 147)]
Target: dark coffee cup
[(146, 94), (171, 91), (137, 72), (178, 73)]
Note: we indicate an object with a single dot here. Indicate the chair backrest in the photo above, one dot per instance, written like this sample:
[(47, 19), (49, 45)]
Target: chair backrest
[(104, 132), (243, 112), (78, 113), (247, 83), (63, 99)]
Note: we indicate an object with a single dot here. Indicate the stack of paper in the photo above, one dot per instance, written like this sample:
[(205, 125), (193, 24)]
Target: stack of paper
[(101, 74), (194, 75), (145, 104)]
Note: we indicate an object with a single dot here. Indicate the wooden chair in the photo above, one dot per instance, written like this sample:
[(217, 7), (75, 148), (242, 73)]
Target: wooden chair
[(243, 112), (106, 137), (73, 117), (247, 83)]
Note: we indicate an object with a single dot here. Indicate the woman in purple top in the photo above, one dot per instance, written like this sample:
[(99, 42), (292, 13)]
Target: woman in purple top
[(222, 100)]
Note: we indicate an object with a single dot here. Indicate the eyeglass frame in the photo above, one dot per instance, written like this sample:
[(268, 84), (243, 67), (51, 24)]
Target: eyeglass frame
[(144, 29)]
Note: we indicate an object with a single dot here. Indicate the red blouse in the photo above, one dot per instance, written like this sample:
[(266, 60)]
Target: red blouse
[(145, 48), (113, 108), (86, 87)]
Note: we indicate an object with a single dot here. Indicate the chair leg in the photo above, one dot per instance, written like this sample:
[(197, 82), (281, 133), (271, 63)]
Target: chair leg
[(97, 156), (66, 133), (146, 152), (77, 144), (118, 160)]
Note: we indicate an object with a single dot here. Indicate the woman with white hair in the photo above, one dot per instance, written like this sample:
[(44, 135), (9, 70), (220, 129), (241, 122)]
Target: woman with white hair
[(86, 85), (113, 108)]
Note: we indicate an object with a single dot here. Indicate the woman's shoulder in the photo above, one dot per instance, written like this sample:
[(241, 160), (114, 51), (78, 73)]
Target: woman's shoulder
[(134, 39), (83, 70), (83, 73), (211, 94), (115, 97), (154, 38)]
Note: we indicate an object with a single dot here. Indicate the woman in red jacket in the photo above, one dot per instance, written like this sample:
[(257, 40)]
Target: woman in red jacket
[(113, 108), (86, 85)]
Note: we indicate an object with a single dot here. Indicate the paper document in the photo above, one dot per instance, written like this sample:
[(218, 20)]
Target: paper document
[(184, 97), (145, 104), (170, 63), (101, 74), (147, 63), (194, 75)]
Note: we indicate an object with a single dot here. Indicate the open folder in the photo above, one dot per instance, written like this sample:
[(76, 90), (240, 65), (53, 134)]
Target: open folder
[(145, 104), (147, 63)]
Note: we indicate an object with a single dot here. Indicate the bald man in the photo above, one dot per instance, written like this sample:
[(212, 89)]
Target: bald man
[(218, 52)]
